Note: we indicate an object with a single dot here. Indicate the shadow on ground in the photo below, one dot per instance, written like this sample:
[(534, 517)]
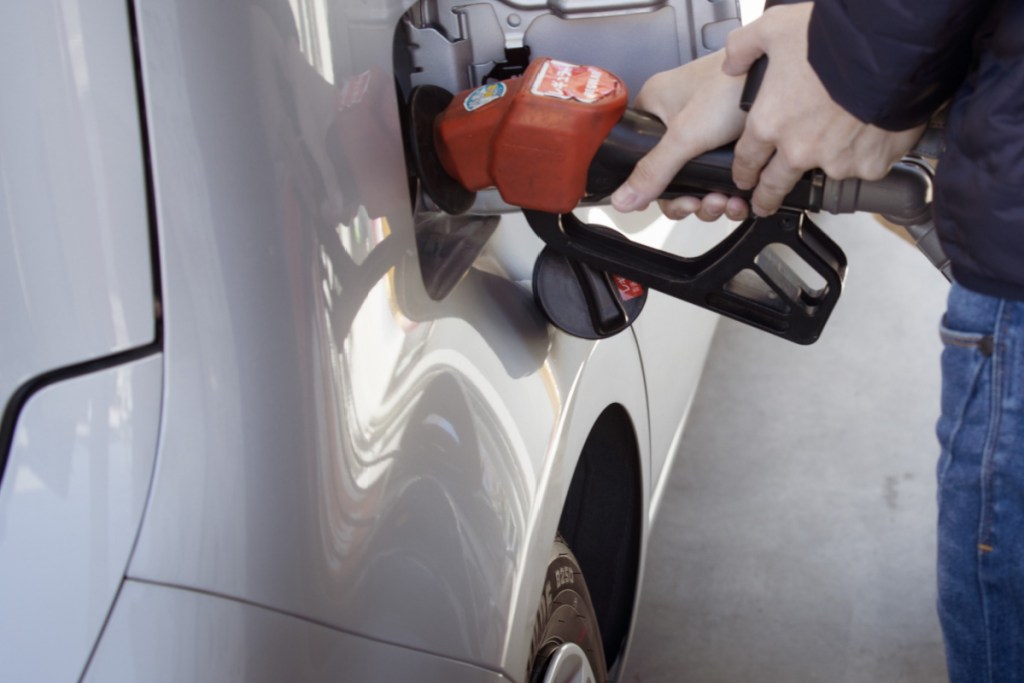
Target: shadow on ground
[(795, 538)]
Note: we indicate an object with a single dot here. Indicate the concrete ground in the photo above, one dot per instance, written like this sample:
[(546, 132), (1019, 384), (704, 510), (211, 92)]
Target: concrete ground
[(795, 538)]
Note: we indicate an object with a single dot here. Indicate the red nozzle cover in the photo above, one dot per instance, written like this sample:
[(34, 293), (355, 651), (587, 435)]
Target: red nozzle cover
[(534, 136)]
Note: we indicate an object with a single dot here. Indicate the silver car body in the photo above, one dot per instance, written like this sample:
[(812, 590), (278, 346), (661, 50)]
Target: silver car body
[(241, 440)]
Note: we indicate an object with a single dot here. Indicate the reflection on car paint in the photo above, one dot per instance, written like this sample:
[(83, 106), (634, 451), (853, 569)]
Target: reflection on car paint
[(363, 429), (352, 320)]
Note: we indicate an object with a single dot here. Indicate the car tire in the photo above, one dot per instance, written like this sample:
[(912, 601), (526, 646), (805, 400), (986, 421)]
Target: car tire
[(566, 645)]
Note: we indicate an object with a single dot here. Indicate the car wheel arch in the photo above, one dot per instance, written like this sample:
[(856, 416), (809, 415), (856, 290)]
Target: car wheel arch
[(602, 522)]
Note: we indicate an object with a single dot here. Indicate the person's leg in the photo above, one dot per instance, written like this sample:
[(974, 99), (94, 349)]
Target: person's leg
[(981, 488)]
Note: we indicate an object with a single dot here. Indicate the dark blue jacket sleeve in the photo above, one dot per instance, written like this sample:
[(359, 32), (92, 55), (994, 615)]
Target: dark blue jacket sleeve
[(892, 63)]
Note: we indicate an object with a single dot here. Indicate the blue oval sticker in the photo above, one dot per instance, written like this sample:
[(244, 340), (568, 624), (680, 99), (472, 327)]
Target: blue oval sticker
[(484, 95)]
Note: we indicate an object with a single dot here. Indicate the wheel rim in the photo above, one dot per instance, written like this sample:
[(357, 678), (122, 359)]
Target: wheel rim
[(569, 664)]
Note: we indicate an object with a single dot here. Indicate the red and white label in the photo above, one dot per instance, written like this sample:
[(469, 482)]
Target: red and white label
[(587, 84), (354, 89), (627, 288)]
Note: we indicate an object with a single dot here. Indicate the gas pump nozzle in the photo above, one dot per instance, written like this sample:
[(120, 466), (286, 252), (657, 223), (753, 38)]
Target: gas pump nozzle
[(561, 134), (903, 197)]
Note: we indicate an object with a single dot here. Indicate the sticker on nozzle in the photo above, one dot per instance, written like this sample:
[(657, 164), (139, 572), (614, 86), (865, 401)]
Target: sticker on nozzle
[(484, 95), (587, 84), (628, 290)]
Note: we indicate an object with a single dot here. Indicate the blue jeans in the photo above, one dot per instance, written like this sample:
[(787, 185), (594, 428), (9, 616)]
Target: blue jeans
[(981, 488)]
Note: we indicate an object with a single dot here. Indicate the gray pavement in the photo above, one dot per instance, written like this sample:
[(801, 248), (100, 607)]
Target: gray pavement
[(795, 538)]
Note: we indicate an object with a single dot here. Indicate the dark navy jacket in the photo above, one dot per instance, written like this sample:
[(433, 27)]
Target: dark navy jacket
[(894, 62)]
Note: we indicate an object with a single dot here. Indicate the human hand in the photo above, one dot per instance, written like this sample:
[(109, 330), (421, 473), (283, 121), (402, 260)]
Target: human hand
[(794, 125), (700, 107)]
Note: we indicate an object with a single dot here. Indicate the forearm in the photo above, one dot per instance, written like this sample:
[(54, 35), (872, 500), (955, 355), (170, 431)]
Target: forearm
[(891, 63)]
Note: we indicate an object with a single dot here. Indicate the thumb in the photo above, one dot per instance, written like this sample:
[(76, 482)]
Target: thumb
[(743, 47), (653, 173)]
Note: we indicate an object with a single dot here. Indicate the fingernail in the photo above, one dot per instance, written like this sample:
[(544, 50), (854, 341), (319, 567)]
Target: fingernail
[(625, 198)]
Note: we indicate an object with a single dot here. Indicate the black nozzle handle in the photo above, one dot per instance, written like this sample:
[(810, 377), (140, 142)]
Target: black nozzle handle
[(780, 274), (755, 76)]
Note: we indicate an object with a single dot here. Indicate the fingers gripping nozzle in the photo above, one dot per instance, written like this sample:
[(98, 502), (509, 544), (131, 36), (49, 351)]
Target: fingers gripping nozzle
[(560, 135)]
